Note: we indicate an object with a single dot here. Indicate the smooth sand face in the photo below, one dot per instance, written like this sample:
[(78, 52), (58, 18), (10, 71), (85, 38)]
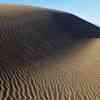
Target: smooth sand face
[(69, 74)]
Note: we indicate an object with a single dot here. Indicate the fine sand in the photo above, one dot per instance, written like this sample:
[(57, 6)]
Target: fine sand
[(33, 67), (73, 76)]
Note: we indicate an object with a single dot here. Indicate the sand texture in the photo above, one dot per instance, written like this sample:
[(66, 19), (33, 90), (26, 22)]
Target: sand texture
[(41, 58)]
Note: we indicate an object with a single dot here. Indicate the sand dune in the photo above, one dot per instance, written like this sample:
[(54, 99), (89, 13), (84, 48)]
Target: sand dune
[(43, 58), (73, 77)]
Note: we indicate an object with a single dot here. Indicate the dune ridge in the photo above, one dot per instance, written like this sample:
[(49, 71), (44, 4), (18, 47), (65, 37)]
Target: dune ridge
[(44, 56)]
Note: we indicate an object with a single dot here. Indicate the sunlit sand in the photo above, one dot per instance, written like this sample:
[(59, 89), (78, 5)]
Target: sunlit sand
[(33, 68)]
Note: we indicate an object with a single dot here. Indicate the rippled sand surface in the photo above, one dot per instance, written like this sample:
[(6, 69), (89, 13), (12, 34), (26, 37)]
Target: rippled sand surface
[(73, 76), (33, 67)]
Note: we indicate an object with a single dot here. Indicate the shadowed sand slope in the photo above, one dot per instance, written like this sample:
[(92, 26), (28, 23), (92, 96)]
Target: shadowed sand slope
[(47, 55)]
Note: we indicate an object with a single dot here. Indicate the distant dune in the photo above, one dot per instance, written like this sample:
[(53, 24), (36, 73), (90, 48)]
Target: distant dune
[(47, 54)]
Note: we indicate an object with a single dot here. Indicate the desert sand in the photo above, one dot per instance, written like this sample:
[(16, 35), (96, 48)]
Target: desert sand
[(38, 63)]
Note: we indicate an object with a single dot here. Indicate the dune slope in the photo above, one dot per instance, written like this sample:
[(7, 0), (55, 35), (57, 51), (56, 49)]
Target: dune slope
[(47, 55)]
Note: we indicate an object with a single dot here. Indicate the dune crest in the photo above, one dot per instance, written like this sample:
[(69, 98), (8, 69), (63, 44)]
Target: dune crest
[(47, 55)]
